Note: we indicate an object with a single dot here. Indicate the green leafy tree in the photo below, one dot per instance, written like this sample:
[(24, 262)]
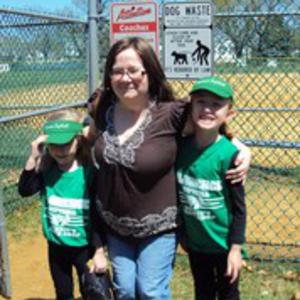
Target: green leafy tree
[(272, 37), (267, 34), (103, 27)]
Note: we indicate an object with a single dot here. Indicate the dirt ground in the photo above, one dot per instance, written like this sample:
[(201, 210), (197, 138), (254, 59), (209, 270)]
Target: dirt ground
[(30, 277)]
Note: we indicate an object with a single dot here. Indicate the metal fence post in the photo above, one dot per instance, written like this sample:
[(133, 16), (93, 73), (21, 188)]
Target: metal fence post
[(5, 288), (93, 53)]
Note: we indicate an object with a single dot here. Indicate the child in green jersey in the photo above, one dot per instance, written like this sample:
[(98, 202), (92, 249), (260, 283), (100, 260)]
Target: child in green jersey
[(59, 168), (213, 208)]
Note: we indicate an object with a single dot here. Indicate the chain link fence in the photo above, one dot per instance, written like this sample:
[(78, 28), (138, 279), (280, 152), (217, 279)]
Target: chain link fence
[(43, 64), (43, 61)]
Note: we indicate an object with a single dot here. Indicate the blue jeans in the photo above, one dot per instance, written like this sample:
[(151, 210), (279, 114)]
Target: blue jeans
[(142, 268)]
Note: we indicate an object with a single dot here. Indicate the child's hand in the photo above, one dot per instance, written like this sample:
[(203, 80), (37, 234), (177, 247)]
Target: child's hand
[(242, 162), (36, 152), (99, 262), (234, 262), (37, 146)]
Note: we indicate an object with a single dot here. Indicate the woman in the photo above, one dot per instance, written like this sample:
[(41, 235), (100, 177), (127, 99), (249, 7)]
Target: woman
[(138, 124)]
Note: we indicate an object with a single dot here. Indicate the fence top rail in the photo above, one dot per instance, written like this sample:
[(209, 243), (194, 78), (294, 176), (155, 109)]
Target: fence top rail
[(47, 16), (271, 144), (35, 24), (241, 109), (269, 109), (8, 119), (258, 13)]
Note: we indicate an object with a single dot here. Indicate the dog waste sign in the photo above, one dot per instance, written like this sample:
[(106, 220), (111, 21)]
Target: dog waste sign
[(188, 39)]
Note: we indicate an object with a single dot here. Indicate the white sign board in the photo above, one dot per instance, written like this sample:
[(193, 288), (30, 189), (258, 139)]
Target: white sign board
[(137, 19), (186, 54), (188, 44)]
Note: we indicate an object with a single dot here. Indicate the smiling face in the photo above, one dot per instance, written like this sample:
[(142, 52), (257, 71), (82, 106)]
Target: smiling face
[(209, 111), (129, 79), (64, 154)]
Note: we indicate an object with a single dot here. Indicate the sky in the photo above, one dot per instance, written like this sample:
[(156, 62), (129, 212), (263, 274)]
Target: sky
[(40, 5)]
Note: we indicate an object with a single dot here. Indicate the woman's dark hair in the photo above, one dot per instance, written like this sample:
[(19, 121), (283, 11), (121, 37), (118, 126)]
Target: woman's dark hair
[(93, 101), (159, 88)]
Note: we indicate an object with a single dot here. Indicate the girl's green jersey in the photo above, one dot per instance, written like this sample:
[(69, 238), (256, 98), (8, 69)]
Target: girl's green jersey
[(204, 194), (66, 207)]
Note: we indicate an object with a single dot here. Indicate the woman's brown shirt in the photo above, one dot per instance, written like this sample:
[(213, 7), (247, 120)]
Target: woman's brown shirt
[(136, 185)]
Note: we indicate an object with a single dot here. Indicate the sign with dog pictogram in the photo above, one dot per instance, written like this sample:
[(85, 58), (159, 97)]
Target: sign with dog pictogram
[(139, 19), (188, 51)]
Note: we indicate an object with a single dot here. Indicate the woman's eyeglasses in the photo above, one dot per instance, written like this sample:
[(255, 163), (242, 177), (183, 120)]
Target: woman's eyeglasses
[(134, 74)]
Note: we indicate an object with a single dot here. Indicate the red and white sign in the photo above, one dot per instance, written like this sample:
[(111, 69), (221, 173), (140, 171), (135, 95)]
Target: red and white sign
[(136, 19)]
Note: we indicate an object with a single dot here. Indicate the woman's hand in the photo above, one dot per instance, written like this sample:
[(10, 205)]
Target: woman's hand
[(234, 263), (36, 152), (99, 262), (90, 132), (242, 162)]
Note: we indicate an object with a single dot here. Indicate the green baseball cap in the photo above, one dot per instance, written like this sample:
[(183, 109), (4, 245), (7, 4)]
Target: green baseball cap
[(61, 132), (215, 85)]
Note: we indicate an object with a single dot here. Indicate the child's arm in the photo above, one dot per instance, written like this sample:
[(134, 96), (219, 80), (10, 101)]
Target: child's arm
[(237, 228), (238, 172), (36, 153), (30, 181)]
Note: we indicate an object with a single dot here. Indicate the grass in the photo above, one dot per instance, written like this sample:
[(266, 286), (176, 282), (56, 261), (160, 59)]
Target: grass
[(263, 281), (259, 280), (22, 78), (25, 221)]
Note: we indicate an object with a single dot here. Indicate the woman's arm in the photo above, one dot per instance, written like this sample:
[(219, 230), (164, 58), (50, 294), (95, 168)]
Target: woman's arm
[(98, 233), (99, 264), (99, 261), (242, 163)]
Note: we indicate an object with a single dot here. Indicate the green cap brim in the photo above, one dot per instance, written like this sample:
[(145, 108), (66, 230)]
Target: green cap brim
[(61, 132), (61, 138), (214, 85)]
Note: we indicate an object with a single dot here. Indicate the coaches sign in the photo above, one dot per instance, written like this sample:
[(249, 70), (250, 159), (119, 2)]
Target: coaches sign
[(139, 19), (188, 39)]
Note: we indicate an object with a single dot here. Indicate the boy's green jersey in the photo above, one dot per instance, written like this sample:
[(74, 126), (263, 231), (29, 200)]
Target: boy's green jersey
[(66, 207), (204, 195)]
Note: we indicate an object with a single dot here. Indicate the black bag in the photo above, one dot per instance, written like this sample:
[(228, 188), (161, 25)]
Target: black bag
[(97, 286)]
